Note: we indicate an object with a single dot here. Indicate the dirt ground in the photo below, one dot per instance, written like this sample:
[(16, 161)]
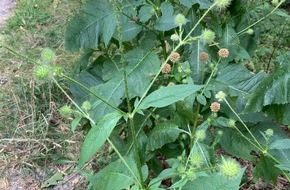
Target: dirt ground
[(6, 10)]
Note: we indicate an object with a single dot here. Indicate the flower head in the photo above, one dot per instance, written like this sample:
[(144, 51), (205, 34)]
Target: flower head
[(171, 84), (224, 52), (208, 36), (180, 19), (229, 167), (203, 57), (166, 69), (220, 96), (269, 132), (215, 107), (86, 105), (43, 72), (65, 110), (174, 37), (47, 55), (174, 57), (222, 3), (200, 134)]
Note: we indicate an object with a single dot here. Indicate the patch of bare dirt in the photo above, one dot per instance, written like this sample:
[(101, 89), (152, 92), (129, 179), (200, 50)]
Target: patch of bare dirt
[(6, 10)]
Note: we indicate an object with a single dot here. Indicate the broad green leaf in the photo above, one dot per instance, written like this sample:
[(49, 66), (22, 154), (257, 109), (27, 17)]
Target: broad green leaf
[(75, 123), (274, 89), (236, 80), (279, 112), (266, 168), (97, 136), (201, 99), (167, 20), (129, 29), (161, 134), (197, 67), (141, 66), (53, 180), (115, 176), (168, 95), (232, 142), (165, 174), (85, 29), (280, 144), (146, 12), (215, 181), (203, 4), (283, 167)]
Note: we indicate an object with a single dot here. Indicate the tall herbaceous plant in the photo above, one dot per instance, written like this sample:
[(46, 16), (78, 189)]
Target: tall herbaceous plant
[(164, 84)]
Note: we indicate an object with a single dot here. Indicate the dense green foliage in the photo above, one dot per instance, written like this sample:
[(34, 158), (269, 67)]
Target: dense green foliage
[(167, 85)]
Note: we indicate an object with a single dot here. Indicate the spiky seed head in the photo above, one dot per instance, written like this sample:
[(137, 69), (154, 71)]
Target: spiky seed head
[(47, 55), (65, 110), (229, 168), (222, 4), (180, 19), (208, 36), (42, 72)]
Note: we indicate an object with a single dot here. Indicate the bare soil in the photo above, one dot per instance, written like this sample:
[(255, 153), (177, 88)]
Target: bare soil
[(6, 10)]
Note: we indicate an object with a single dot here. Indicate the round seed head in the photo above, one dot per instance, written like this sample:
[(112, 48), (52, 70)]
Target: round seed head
[(174, 57), (230, 168), (215, 107), (203, 57), (224, 52)]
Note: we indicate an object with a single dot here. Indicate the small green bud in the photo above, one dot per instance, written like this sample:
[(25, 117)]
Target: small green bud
[(220, 96), (86, 105), (174, 37), (232, 122), (187, 71), (65, 110), (190, 175), (196, 160), (42, 72), (180, 158), (269, 132), (250, 31), (200, 134), (275, 2), (183, 136), (184, 81), (180, 19), (220, 132), (230, 168), (222, 3), (181, 169), (47, 55), (208, 36)]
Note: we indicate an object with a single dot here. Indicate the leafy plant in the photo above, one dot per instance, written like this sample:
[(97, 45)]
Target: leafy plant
[(164, 84)]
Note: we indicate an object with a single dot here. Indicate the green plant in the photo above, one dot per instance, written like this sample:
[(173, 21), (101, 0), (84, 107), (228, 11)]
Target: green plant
[(167, 90)]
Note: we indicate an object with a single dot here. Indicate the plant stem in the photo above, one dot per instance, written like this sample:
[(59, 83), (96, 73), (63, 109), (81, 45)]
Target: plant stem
[(181, 43), (257, 145), (20, 55), (131, 117), (124, 161), (248, 27)]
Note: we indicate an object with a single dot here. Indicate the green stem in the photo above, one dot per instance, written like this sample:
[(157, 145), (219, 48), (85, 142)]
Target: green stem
[(124, 161), (131, 118), (20, 55), (258, 145), (181, 43), (250, 26), (90, 91)]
